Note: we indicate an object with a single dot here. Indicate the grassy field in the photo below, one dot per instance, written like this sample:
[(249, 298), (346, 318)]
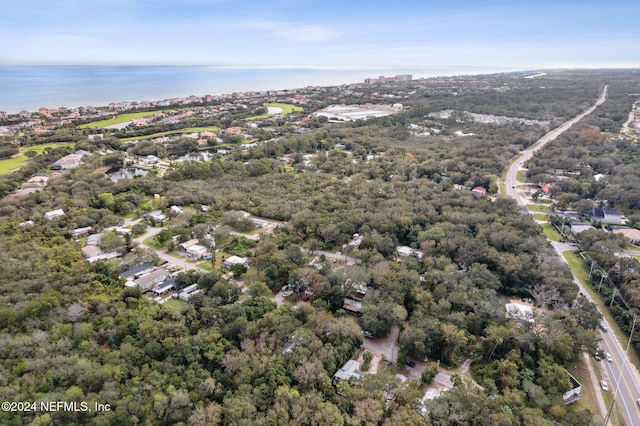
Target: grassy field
[(587, 399), (537, 208), (172, 132), (540, 216), (286, 109), (177, 304), (118, 119), (6, 166), (520, 175), (550, 232)]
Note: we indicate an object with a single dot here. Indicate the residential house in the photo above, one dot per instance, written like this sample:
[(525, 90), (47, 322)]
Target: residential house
[(54, 214), (162, 288), (235, 260), (81, 231), (350, 369), (352, 305), (91, 251), (156, 216), (94, 239), (197, 251), (185, 246), (176, 210), (607, 215), (132, 273), (70, 161), (151, 279), (103, 256), (188, 292), (408, 251)]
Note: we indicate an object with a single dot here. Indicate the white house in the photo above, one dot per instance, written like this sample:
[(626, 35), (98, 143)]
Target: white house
[(81, 231), (187, 292), (53, 214), (408, 251), (197, 251), (235, 260), (157, 216), (176, 210)]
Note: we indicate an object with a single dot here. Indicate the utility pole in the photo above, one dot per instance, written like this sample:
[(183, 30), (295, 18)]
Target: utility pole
[(602, 277)]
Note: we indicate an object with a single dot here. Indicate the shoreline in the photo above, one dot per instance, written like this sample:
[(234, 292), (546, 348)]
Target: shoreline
[(29, 88)]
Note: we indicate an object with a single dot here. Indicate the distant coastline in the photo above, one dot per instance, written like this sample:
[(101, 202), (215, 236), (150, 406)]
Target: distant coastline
[(28, 88)]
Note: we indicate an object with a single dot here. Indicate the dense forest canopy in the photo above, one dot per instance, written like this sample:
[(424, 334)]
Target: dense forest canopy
[(71, 330)]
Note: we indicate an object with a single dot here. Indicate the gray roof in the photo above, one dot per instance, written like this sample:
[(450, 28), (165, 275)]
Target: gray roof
[(136, 270)]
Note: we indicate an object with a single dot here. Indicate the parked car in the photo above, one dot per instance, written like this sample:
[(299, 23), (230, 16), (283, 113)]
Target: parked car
[(411, 364), (604, 385), (367, 334)]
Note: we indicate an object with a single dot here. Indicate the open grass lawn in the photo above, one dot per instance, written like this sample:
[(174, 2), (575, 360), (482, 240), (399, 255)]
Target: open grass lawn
[(502, 188), (286, 109), (538, 208), (540, 216), (172, 132), (550, 232), (177, 304), (520, 175), (587, 399), (9, 164), (118, 119), (152, 242), (206, 266)]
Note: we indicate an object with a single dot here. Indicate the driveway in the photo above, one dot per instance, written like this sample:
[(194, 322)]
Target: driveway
[(386, 346)]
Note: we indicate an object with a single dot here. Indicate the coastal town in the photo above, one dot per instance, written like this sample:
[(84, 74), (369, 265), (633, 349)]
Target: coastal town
[(369, 218)]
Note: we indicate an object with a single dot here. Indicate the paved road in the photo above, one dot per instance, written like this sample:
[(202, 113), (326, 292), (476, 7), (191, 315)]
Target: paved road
[(387, 346), (153, 231), (622, 376), (528, 153)]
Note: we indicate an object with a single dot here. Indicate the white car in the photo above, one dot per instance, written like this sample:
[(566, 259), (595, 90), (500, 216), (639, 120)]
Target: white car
[(608, 356), (604, 385)]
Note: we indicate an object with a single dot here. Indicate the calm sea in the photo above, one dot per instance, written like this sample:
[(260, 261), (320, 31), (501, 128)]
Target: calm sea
[(32, 87)]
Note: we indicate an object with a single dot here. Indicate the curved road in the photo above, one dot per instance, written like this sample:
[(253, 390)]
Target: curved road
[(620, 374)]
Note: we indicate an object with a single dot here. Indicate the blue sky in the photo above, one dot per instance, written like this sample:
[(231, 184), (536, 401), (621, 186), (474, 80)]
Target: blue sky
[(328, 33)]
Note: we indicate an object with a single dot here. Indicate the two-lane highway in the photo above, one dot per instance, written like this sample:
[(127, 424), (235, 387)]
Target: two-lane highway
[(621, 375), (526, 155)]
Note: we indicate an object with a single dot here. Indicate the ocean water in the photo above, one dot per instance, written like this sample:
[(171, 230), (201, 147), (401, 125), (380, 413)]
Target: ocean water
[(32, 87)]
